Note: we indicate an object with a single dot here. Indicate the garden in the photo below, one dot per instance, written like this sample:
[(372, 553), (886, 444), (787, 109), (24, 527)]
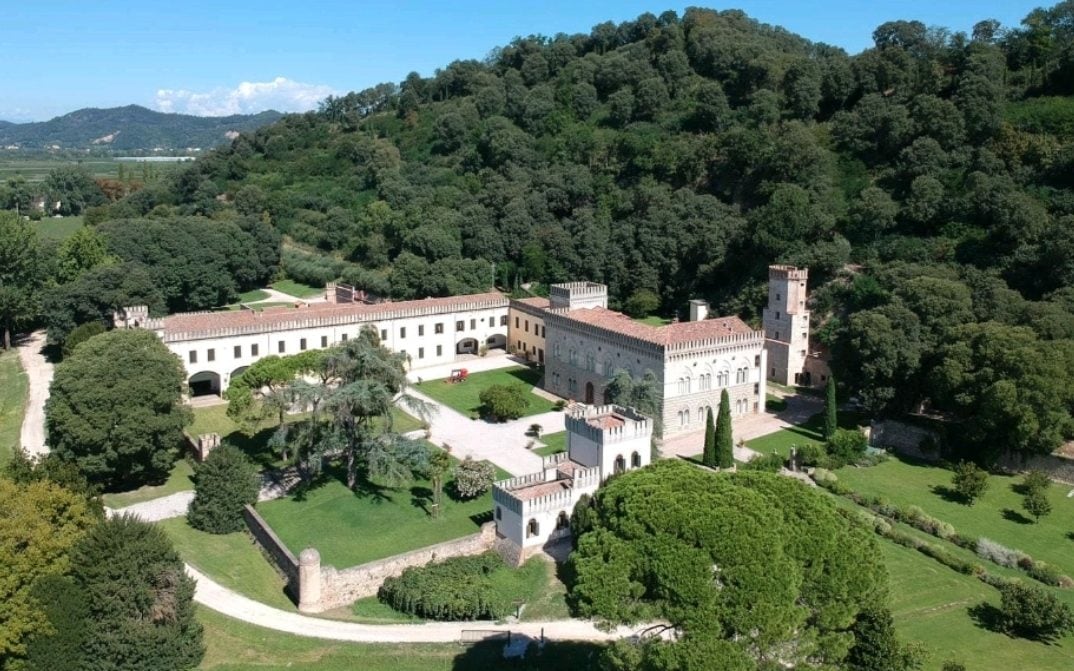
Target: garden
[(465, 396)]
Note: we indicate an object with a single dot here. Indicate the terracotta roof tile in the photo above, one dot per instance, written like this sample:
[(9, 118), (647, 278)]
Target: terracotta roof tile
[(535, 301), (541, 489), (606, 422), (669, 334)]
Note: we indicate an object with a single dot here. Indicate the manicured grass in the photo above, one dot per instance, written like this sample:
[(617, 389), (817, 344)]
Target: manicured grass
[(232, 645), (549, 600), (253, 295), (292, 288), (179, 480), (14, 388), (463, 396), (998, 514), (931, 604), (350, 528), (808, 433), (653, 320), (233, 560), (553, 443), (58, 229), (372, 610)]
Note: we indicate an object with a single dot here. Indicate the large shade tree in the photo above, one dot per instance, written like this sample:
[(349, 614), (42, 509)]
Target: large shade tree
[(21, 275), (115, 408), (676, 544)]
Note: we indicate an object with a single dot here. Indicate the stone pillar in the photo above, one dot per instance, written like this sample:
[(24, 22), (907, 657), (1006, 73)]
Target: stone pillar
[(309, 581)]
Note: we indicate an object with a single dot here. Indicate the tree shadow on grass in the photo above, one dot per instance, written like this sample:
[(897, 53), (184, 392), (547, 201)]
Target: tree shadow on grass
[(555, 655), (948, 494), (1070, 535), (987, 616), (1012, 515), (421, 497), (255, 446)]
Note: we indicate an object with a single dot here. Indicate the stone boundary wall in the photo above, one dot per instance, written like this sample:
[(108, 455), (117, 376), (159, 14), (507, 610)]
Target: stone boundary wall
[(273, 546), (344, 587), (903, 438), (1057, 468)]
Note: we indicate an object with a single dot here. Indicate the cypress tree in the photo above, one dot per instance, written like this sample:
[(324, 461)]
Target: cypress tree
[(225, 482), (725, 446), (708, 457), (831, 417)]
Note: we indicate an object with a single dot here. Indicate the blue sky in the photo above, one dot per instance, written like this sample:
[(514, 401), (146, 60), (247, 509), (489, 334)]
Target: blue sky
[(214, 58)]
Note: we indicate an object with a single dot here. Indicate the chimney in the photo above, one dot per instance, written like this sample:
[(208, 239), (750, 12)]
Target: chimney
[(699, 310)]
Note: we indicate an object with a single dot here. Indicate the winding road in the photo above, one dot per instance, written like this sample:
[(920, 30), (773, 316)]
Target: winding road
[(38, 370)]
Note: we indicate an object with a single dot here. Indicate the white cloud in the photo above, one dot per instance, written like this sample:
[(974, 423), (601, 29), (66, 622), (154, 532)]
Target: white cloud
[(280, 94)]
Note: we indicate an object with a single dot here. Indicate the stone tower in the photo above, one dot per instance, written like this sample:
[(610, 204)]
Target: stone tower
[(786, 325)]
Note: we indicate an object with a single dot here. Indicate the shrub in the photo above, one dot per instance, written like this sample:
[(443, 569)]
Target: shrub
[(823, 475), (80, 334), (965, 541), (1033, 480), (1031, 612), (846, 446), (1045, 573), (999, 554), (1036, 503), (766, 462), (461, 588), (811, 455), (559, 405), (502, 402), (473, 478), (953, 666), (225, 482), (969, 481)]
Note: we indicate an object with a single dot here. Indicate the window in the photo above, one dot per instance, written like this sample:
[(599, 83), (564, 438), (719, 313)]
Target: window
[(589, 362), (503, 320), (210, 355), (253, 350), (499, 513), (492, 321), (402, 331), (383, 334), (620, 464), (527, 329), (439, 350), (777, 335), (562, 520), (460, 326), (777, 314), (421, 330), (281, 347), (635, 460), (757, 361), (473, 324), (438, 328), (192, 357), (302, 344), (238, 351), (777, 296), (324, 341), (343, 337), (421, 352), (516, 322), (532, 528)]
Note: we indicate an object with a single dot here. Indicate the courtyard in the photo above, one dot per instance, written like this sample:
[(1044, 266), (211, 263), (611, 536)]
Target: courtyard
[(464, 396)]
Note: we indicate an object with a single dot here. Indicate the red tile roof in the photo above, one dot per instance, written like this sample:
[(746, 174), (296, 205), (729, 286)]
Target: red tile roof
[(606, 422), (669, 334), (541, 489), (535, 301), (283, 317)]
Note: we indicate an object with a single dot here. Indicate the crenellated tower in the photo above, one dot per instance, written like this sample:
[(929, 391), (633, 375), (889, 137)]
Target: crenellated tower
[(786, 324)]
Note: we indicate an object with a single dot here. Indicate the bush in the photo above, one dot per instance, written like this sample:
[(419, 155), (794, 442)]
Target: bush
[(953, 666), (823, 475), (999, 554), (80, 334), (771, 463), (225, 482), (811, 455), (846, 446), (1036, 503), (969, 481), (461, 588), (1031, 612), (473, 478), (1035, 480), (501, 402), (1045, 573)]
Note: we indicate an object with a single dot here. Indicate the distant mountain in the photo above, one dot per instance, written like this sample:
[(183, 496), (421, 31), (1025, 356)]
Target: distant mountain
[(130, 128)]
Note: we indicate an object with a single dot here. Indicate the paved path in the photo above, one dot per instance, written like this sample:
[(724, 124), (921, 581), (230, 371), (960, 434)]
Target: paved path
[(223, 600), (166, 507), (39, 371), (799, 409), (276, 296)]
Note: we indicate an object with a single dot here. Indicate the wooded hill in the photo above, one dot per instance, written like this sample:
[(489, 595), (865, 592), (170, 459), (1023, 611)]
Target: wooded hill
[(926, 182), (130, 128)]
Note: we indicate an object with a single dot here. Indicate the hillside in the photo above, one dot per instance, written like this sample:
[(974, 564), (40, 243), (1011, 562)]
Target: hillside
[(130, 128), (926, 182)]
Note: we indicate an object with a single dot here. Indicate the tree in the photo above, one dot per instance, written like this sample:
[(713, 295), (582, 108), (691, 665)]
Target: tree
[(473, 478), (60, 646), (40, 524), (1031, 612), (660, 547), (1034, 480), (80, 334), (969, 481), (223, 484), (708, 456), (83, 251), (502, 402), (437, 467), (119, 428), (846, 446), (1036, 503), (141, 600), (876, 647), (20, 275), (73, 188), (831, 408), (725, 445), (642, 303)]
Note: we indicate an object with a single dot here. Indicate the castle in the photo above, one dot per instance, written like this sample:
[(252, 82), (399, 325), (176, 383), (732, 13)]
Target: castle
[(581, 343)]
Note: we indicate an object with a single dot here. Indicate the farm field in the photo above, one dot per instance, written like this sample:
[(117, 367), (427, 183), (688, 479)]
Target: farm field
[(58, 229), (464, 396)]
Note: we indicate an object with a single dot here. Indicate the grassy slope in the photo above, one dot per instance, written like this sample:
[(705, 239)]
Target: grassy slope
[(292, 288), (14, 388), (463, 396), (179, 480)]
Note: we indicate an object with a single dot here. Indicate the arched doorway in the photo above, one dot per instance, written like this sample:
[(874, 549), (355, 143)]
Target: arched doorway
[(466, 346), (635, 460), (563, 521), (589, 393), (205, 383), (496, 341), (620, 464), (236, 374), (532, 529)]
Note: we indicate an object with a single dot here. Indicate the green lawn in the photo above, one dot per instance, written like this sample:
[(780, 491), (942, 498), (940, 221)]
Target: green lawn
[(180, 479), (253, 295), (232, 645), (372, 610), (809, 433), (350, 528), (653, 320), (58, 229), (292, 288), (463, 396), (233, 560), (553, 443), (997, 514), (14, 388)]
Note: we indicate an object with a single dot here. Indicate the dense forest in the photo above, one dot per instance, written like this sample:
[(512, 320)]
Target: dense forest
[(927, 182)]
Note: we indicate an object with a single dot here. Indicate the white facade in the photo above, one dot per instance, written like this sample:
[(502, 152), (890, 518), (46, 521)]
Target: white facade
[(786, 325), (532, 510)]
